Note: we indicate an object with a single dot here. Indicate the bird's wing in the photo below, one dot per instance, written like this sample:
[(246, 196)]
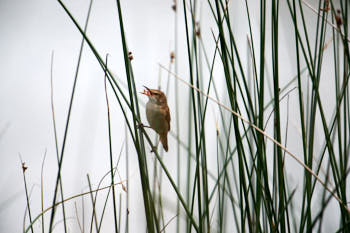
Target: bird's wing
[(167, 116)]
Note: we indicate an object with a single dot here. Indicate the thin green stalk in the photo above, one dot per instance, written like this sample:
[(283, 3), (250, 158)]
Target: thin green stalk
[(189, 164), (56, 141), (177, 116), (24, 168), (277, 124), (67, 122), (93, 202), (191, 71), (151, 218), (172, 182), (111, 154), (42, 193), (66, 200), (127, 183)]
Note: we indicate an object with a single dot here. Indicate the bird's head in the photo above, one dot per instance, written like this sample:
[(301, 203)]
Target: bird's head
[(155, 96)]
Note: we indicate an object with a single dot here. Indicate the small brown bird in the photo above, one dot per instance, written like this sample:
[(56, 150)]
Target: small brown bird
[(158, 115)]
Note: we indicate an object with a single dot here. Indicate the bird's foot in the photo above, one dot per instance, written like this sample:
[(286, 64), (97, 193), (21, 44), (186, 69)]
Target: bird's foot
[(154, 149), (141, 125)]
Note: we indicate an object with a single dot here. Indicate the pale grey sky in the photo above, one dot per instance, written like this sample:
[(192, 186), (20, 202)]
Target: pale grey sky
[(29, 32)]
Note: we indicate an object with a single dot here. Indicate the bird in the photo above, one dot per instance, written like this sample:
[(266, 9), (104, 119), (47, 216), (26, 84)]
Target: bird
[(158, 114)]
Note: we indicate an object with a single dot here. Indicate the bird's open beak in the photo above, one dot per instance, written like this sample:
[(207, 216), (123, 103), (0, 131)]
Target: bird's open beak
[(147, 92)]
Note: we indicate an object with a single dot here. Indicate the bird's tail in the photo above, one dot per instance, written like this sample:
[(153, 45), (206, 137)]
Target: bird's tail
[(164, 140)]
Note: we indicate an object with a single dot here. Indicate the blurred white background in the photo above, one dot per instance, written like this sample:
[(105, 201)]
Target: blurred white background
[(29, 32)]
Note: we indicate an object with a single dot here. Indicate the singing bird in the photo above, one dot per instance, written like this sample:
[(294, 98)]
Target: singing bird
[(158, 115)]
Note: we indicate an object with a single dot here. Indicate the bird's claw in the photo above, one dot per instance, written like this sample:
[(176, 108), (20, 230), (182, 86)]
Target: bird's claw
[(141, 125), (154, 149)]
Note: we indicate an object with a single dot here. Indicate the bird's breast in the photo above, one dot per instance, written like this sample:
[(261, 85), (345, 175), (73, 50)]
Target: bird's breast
[(156, 118)]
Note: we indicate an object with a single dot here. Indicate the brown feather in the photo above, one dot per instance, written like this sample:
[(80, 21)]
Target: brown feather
[(167, 116), (158, 115), (164, 140)]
